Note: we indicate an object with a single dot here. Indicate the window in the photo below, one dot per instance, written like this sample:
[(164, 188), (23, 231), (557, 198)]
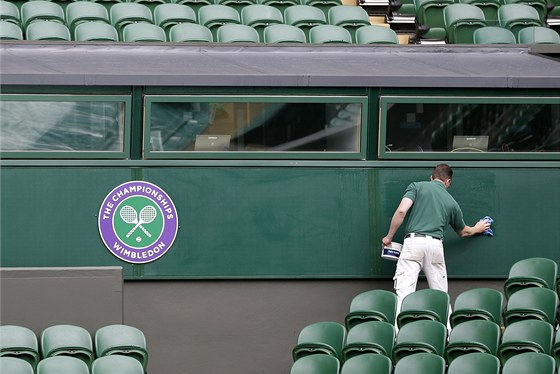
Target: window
[(470, 127), (272, 126), (66, 126)]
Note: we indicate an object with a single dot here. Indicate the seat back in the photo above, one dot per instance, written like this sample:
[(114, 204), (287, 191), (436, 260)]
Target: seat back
[(320, 337), (9, 12), (429, 19), (538, 35), (420, 363), (122, 14), (348, 16), (32, 11), (420, 336), (238, 5), (19, 342), (323, 5), (68, 340), (479, 363), (539, 5), (367, 363), (62, 365), (85, 11), (323, 34), (10, 31), (424, 304), (372, 336), (532, 303), (216, 15), (305, 17), (315, 364), (493, 35), (12, 365), (95, 31), (488, 7), (477, 303), (460, 22), (283, 34), (473, 336), (121, 340), (525, 336), (534, 271), (47, 30), (281, 5), (259, 16), (234, 33), (514, 17), (169, 15), (190, 32), (375, 34), (530, 362), (377, 305), (143, 32), (116, 364)]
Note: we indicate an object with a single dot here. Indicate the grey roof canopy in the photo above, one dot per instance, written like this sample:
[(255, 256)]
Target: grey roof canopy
[(169, 64)]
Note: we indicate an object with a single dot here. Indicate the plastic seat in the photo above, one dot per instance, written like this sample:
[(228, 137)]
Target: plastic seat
[(9, 12), (260, 16), (32, 11), (374, 34), (374, 305), (214, 16), (538, 35), (19, 342), (10, 31), (62, 365), (85, 11), (323, 5), (350, 17), (514, 17), (281, 5), (234, 33), (122, 14), (420, 336), (555, 350), (320, 337), (305, 17), (195, 5), (95, 31), (473, 336), (315, 364), (539, 5), (47, 30), (478, 363), (238, 5), (68, 340), (283, 34), (169, 15), (369, 337), (324, 34), (532, 303), (121, 340), (430, 26), (460, 22), (143, 32), (488, 7), (420, 363), (424, 304), (531, 362), (493, 35), (12, 365), (190, 32), (534, 271), (525, 336), (477, 303), (116, 364), (367, 363)]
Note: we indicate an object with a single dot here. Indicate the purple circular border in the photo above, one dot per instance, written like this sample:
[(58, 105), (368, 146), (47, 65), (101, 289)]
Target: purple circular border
[(109, 237)]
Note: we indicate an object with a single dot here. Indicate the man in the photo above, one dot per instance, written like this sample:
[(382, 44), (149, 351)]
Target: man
[(431, 209)]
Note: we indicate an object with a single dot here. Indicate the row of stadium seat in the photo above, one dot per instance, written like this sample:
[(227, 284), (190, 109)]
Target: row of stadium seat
[(116, 364), (21, 343)]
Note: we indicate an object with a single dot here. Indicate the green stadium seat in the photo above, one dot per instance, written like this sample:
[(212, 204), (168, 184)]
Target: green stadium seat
[(323, 5), (430, 27), (169, 15), (475, 363), (525, 336), (539, 5), (143, 32), (348, 16), (429, 304), (195, 5), (473, 336), (117, 364), (315, 364), (41, 10), (190, 32), (477, 303), (514, 17), (538, 35), (62, 365), (374, 305), (238, 5), (85, 11), (534, 271), (47, 30), (488, 7), (555, 350), (260, 16), (420, 336), (122, 14), (9, 12), (283, 34), (323, 34), (281, 5), (367, 363), (305, 17), (493, 35), (19, 342), (369, 337), (95, 31), (420, 363), (320, 338), (10, 31), (460, 22), (67, 340), (121, 340), (12, 365), (234, 33), (375, 34), (532, 303), (216, 15), (531, 362)]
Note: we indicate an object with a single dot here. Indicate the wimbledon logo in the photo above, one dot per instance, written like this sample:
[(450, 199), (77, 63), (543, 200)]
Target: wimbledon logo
[(138, 222)]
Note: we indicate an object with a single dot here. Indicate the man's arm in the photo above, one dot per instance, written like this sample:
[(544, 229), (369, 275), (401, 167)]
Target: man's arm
[(397, 219), (478, 228)]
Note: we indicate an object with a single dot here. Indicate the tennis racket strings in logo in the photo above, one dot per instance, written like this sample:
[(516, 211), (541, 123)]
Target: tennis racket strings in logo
[(129, 215)]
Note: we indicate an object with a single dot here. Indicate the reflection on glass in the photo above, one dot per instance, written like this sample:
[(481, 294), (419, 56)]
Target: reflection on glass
[(61, 126), (467, 127), (255, 126)]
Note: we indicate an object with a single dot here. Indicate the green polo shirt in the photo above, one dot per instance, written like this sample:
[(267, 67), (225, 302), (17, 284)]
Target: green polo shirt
[(433, 209)]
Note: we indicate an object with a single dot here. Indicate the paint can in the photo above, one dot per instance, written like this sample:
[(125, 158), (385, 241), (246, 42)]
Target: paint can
[(391, 251)]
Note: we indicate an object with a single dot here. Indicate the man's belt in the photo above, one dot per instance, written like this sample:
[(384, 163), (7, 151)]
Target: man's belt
[(416, 235)]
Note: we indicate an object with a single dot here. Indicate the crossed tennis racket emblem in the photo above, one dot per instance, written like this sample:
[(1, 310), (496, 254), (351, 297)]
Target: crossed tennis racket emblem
[(129, 215)]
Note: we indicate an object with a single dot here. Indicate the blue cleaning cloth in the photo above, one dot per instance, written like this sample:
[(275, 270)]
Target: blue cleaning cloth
[(489, 231)]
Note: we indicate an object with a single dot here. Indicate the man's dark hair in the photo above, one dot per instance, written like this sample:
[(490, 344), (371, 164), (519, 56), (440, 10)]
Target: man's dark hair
[(442, 172)]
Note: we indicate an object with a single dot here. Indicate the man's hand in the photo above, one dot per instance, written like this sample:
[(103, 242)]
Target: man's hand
[(386, 241)]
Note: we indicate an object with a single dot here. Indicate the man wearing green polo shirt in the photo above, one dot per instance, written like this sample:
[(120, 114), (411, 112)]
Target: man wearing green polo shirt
[(431, 208)]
